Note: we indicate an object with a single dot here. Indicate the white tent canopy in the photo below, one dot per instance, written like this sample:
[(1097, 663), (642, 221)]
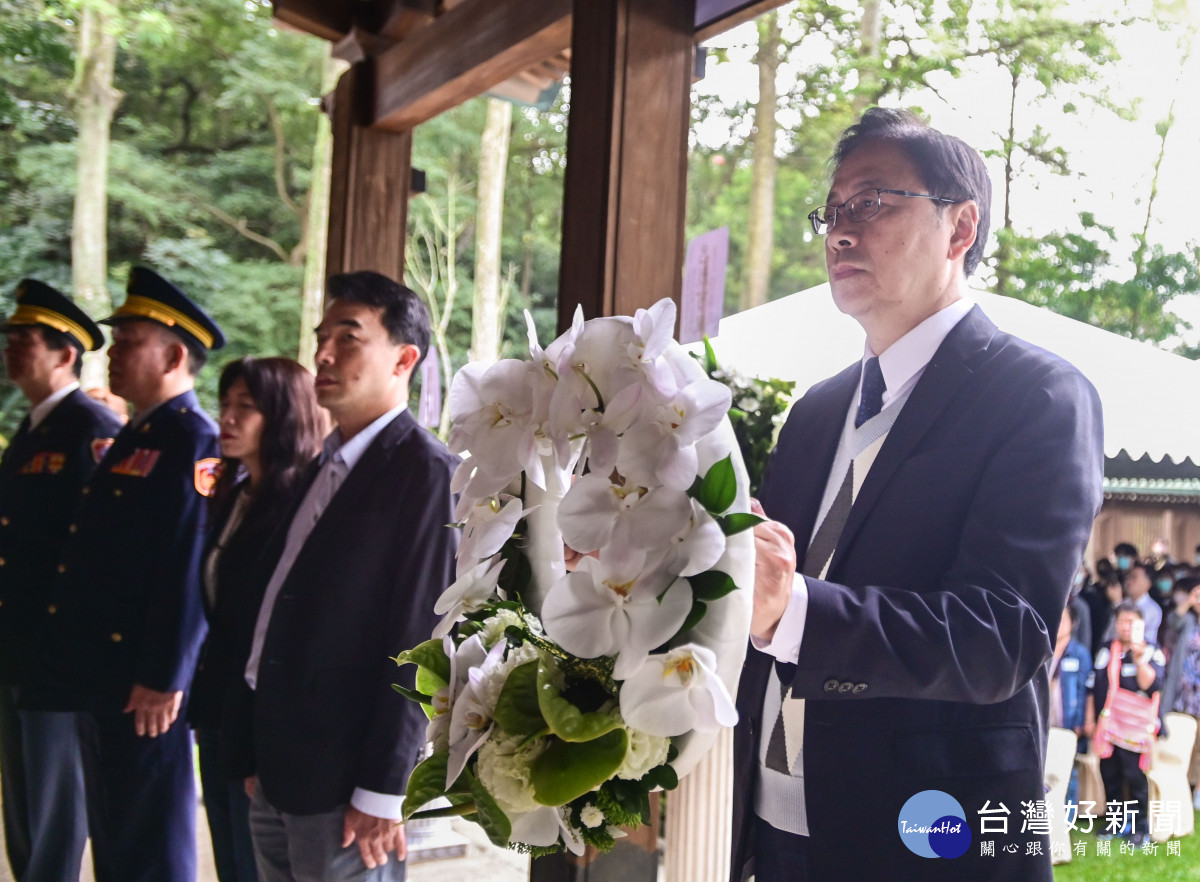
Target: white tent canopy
[(1148, 395)]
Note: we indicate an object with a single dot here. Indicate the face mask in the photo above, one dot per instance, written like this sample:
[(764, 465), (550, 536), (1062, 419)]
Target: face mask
[(1164, 585), (1124, 562)]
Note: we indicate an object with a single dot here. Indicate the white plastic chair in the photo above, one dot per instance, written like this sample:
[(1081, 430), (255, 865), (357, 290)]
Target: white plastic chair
[(1168, 778)]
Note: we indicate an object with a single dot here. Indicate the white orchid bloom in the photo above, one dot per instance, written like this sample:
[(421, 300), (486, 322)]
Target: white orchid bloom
[(471, 717), (469, 653), (698, 546), (470, 592), (595, 513), (543, 827), (654, 329), (662, 448), (487, 525), (677, 692), (492, 410), (603, 430), (622, 610)]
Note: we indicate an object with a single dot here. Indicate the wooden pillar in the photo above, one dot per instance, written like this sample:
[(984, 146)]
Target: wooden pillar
[(627, 144), (368, 204)]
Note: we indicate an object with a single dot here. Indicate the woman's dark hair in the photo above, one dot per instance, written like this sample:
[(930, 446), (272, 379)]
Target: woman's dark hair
[(293, 426)]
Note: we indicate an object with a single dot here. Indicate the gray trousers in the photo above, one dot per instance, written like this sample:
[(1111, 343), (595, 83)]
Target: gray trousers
[(308, 848)]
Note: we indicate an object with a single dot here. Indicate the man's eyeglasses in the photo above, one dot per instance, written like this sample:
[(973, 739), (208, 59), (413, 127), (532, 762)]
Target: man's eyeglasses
[(862, 206)]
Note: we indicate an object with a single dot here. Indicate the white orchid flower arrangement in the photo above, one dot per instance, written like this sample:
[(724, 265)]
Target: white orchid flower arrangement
[(558, 700)]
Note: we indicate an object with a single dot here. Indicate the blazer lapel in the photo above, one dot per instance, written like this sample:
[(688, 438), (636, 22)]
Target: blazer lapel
[(950, 367)]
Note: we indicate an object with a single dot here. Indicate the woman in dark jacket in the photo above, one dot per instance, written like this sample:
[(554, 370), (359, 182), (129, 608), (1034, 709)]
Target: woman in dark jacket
[(271, 427)]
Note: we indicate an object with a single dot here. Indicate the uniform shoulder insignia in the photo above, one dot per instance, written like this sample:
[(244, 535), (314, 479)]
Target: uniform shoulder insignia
[(207, 472), (100, 447)]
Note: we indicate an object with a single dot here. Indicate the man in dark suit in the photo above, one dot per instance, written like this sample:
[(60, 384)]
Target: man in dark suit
[(930, 506), (53, 453), (359, 567), (129, 616)]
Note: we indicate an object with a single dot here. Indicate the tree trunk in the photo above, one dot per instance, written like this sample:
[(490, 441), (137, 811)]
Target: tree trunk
[(760, 236), (871, 36), (312, 297), (95, 102), (1003, 274), (486, 317)]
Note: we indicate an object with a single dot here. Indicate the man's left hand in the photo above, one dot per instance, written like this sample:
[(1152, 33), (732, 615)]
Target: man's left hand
[(774, 573), (153, 712), (375, 837)]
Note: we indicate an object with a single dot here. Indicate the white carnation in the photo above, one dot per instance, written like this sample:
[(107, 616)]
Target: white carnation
[(644, 753), (591, 816), (494, 626), (493, 684), (503, 768)]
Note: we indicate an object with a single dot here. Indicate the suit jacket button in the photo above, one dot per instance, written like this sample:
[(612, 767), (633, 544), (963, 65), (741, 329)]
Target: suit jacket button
[(843, 688), (831, 685), (117, 638), (860, 688), (52, 609)]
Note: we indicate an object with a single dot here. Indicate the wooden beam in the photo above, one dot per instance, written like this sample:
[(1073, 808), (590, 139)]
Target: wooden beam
[(625, 182), (368, 209), (717, 16), (463, 53), (329, 21)]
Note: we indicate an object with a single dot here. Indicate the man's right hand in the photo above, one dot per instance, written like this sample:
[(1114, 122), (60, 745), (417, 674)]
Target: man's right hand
[(774, 573)]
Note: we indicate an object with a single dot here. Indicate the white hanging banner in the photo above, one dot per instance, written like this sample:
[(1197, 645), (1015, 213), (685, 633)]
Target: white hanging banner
[(703, 298)]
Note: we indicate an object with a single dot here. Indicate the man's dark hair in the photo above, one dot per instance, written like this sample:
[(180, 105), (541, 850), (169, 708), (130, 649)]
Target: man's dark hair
[(60, 340), (1130, 607), (947, 165), (1126, 548), (404, 315)]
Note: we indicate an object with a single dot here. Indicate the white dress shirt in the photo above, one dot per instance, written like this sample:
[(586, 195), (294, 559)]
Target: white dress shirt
[(43, 408), (902, 364), (338, 460)]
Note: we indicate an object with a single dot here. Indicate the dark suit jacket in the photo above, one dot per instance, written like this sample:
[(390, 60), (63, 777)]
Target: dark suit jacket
[(127, 597), (40, 479), (924, 659), (326, 720)]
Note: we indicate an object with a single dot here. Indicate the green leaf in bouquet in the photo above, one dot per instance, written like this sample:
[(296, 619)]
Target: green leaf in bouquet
[(428, 655), (566, 720), (719, 488), (711, 585), (426, 783), (517, 709), (732, 524), (710, 357), (488, 814), (697, 612), (413, 694), (568, 770), (516, 575)]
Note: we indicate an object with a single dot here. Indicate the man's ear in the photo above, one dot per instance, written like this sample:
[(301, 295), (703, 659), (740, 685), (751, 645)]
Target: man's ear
[(407, 360), (176, 355), (67, 356), (964, 218)]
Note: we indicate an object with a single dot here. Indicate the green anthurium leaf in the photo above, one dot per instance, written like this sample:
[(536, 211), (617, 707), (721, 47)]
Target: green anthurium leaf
[(429, 655), (719, 487), (413, 694), (488, 814), (564, 719), (517, 710), (738, 521), (426, 783), (567, 770), (697, 612), (710, 357), (711, 585)]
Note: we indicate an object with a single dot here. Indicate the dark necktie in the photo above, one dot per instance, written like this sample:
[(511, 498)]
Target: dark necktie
[(873, 388)]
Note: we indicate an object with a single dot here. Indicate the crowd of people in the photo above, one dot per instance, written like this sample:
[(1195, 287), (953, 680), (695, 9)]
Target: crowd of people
[(1132, 625), (246, 579)]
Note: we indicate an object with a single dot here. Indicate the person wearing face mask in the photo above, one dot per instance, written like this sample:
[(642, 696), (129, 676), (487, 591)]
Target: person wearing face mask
[(1164, 581), (1125, 554), (270, 427)]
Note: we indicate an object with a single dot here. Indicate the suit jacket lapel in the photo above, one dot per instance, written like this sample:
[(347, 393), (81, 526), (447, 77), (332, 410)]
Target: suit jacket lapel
[(950, 367)]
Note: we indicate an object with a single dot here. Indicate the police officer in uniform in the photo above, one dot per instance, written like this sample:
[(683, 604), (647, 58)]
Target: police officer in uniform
[(130, 614), (52, 454)]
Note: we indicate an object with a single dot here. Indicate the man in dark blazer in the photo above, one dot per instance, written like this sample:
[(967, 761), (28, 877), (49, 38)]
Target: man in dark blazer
[(361, 562), (128, 617), (52, 454), (930, 507)]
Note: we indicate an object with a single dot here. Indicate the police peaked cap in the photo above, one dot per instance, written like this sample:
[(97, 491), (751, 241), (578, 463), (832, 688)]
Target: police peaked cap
[(153, 298), (39, 304)]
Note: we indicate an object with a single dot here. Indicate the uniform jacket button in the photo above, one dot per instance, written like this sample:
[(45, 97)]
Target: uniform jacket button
[(831, 685), (116, 491), (116, 638), (52, 609), (62, 568), (86, 490), (73, 528), (4, 522), (2, 561)]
